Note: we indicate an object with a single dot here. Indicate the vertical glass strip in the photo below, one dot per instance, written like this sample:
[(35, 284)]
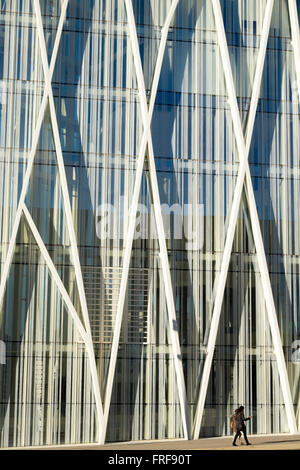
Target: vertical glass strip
[(243, 22), (50, 11), (150, 16)]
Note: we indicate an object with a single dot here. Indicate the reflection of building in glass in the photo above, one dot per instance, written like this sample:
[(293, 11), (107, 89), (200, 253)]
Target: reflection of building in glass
[(161, 105)]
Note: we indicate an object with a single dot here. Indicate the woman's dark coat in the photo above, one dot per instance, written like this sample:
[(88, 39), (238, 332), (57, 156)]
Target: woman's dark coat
[(238, 419)]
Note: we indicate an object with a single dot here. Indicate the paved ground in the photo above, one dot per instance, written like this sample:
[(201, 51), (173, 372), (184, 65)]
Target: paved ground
[(262, 442), (278, 442)]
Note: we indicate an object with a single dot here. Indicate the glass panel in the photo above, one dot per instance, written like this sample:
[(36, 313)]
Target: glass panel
[(21, 90), (47, 208), (50, 10), (150, 16), (46, 390), (244, 368), (145, 401), (100, 125), (243, 22), (196, 163)]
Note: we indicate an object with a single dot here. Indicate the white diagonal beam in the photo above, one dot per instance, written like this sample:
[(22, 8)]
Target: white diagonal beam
[(271, 311), (261, 256), (69, 218), (243, 151), (147, 116), (54, 273), (238, 189), (35, 139), (294, 22), (160, 227)]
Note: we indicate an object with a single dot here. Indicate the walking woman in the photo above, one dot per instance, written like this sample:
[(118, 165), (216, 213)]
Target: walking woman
[(239, 426)]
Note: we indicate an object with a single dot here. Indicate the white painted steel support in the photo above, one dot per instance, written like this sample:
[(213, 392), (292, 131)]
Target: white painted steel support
[(12, 241), (54, 273), (243, 151), (146, 138), (294, 22), (69, 218)]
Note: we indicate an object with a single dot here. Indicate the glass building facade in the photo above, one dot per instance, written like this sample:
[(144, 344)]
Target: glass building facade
[(149, 235)]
